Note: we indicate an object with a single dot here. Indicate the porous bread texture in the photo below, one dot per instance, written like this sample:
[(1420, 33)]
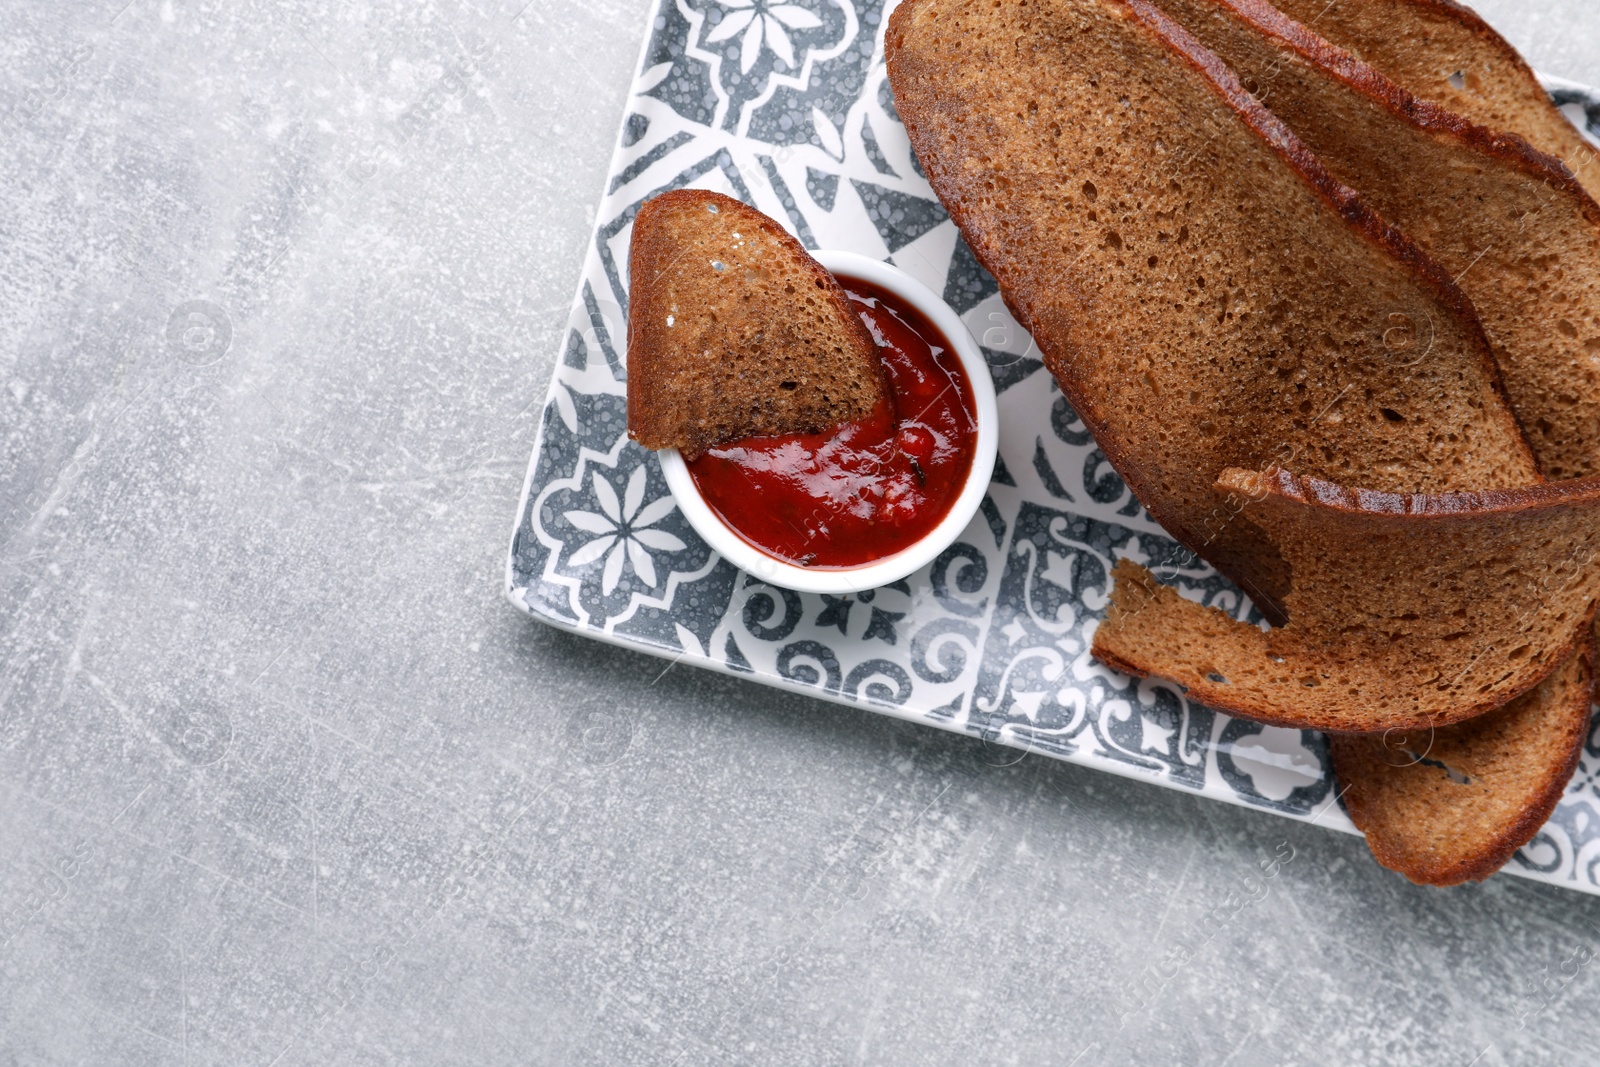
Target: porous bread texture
[(1406, 610), (1452, 805), (1442, 51), (734, 330), (1204, 292), (1511, 225)]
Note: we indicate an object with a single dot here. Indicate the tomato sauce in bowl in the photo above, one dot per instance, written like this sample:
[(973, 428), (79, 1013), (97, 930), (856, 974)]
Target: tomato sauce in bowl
[(862, 491)]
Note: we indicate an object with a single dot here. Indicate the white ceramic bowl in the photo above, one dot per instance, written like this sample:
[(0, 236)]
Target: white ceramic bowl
[(920, 553)]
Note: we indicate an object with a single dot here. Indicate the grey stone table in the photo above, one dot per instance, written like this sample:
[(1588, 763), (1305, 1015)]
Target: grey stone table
[(285, 781)]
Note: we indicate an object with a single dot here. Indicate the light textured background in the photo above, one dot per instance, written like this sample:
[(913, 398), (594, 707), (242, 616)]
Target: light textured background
[(285, 781)]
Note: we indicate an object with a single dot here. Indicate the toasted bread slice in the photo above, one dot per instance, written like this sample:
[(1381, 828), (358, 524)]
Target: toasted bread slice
[(1511, 225), (734, 330), (1207, 295), (1405, 612), (1451, 805), (1442, 51)]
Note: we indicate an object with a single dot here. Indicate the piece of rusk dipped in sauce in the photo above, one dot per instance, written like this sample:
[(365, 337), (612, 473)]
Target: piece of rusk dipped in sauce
[(870, 487), (828, 433)]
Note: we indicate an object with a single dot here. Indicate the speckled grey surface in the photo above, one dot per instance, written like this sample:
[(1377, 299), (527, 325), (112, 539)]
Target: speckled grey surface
[(286, 781)]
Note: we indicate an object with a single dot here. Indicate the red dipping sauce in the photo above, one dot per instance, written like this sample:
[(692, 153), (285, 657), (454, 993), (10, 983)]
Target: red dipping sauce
[(865, 490)]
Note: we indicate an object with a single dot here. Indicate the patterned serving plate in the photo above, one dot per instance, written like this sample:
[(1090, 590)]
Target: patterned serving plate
[(785, 105)]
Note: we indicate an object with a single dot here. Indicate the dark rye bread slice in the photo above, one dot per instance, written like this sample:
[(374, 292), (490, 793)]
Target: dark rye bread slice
[(1511, 225), (1406, 611), (1452, 805), (734, 330), (1204, 292), (1442, 51)]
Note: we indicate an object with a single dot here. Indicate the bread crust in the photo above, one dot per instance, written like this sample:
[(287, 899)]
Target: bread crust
[(1406, 106), (1491, 44), (1456, 507)]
